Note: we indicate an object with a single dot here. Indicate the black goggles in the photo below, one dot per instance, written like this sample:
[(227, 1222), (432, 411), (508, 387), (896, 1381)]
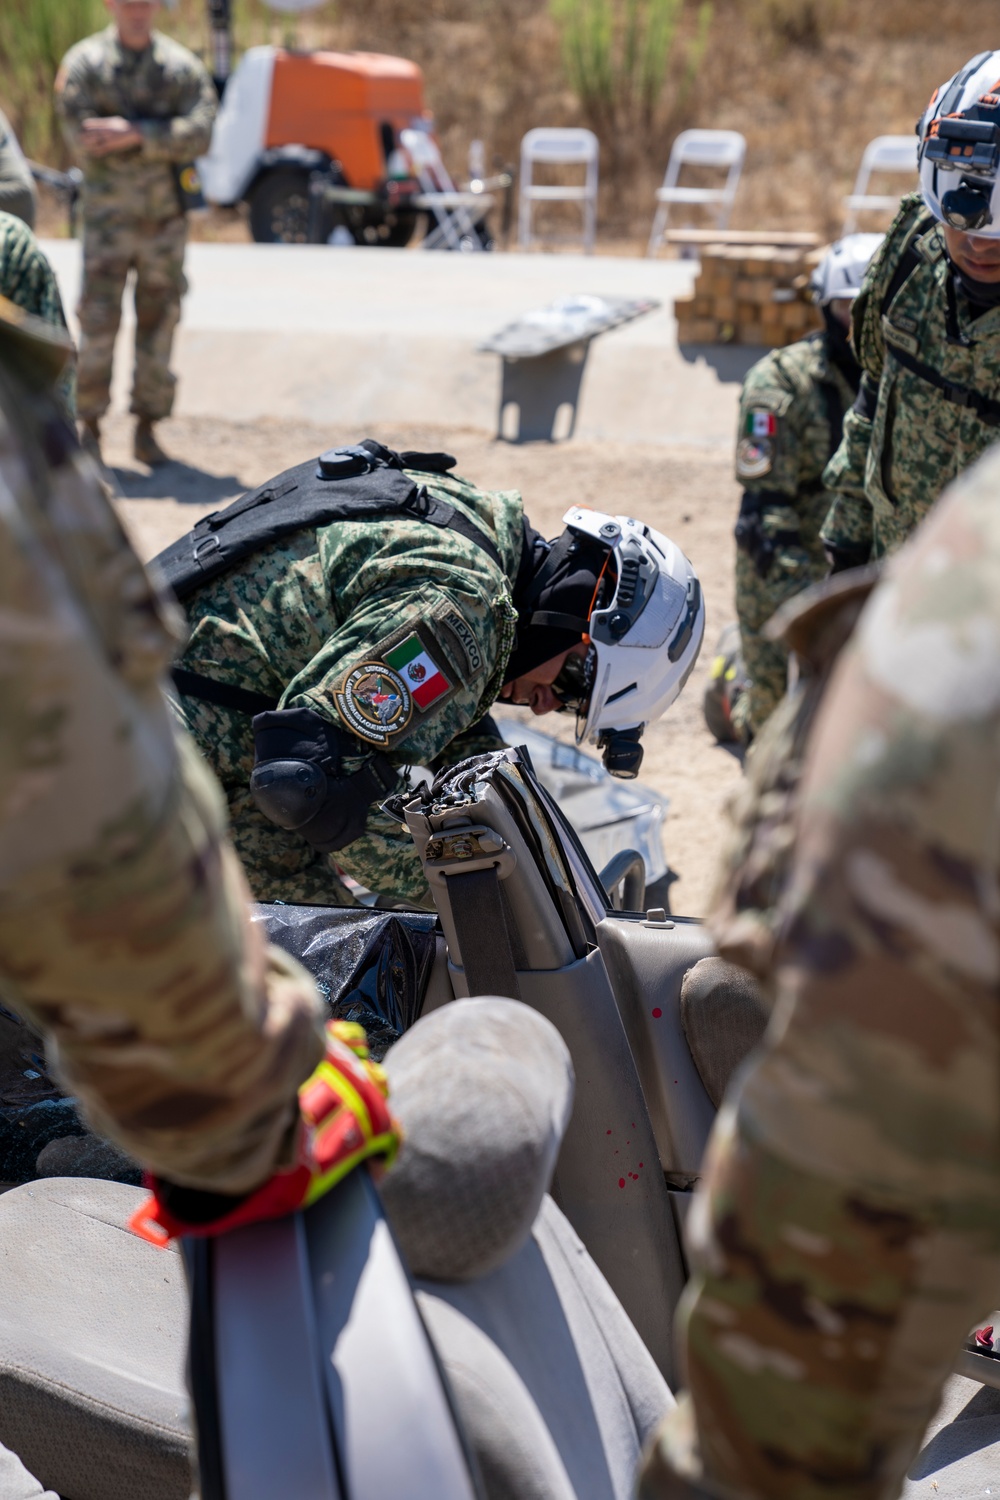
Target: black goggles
[(575, 683)]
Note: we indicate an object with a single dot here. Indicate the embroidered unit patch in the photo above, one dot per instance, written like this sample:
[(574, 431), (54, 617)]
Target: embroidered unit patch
[(417, 667), (375, 702), (753, 458), (760, 423)]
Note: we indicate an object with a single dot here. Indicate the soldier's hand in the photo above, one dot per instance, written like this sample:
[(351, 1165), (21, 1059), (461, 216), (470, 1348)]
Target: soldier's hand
[(102, 136), (344, 1120)]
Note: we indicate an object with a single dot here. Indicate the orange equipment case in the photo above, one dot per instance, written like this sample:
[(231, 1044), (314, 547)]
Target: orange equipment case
[(337, 102)]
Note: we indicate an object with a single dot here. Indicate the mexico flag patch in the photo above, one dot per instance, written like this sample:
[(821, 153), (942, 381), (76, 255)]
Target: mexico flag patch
[(760, 423), (421, 673)]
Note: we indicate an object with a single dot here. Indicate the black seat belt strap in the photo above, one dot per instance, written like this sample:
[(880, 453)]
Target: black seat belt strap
[(986, 409), (223, 694), (480, 916)]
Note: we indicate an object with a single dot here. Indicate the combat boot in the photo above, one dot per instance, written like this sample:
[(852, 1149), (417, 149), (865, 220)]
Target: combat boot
[(145, 447), (90, 438)]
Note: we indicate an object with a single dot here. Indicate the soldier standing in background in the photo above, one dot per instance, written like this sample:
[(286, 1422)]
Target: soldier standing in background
[(846, 1236), (138, 109), (926, 330), (791, 418), (17, 188)]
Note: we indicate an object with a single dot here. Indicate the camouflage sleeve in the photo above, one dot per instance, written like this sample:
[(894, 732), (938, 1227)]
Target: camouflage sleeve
[(124, 933), (408, 670), (74, 96), (847, 531), (846, 1237), (17, 189), (26, 278), (188, 134)]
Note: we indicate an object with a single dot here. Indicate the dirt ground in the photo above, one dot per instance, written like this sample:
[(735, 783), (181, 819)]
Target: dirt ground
[(688, 493)]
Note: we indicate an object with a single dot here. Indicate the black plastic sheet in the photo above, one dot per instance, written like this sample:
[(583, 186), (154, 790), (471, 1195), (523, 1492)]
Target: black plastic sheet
[(370, 966)]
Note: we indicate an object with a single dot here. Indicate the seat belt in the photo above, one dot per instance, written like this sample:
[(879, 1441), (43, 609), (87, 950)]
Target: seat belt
[(483, 926), (312, 1374)]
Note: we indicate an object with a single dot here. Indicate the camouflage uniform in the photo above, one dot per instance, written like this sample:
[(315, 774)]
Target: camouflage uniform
[(296, 619), (847, 1235), (123, 931), (27, 280), (17, 188), (132, 213), (791, 414), (910, 440)]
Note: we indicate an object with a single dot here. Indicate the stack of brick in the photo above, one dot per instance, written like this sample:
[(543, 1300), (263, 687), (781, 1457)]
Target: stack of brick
[(749, 294)]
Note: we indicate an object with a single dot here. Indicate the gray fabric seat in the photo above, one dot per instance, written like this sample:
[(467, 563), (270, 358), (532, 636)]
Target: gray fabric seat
[(556, 1391), (93, 1329)]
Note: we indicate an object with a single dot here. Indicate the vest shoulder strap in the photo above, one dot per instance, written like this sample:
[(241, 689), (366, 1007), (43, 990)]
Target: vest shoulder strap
[(304, 498)]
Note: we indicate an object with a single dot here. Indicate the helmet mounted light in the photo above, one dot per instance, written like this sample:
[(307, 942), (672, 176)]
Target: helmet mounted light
[(645, 631), (959, 153)]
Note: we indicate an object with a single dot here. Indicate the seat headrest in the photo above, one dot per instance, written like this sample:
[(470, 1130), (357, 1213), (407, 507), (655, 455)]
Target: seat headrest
[(483, 1089)]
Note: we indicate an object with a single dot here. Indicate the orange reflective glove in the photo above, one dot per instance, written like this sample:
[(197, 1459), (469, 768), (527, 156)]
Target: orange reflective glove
[(344, 1120)]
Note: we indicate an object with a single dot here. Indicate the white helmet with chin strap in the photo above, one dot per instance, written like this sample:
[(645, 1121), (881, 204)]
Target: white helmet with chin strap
[(645, 631), (839, 275), (960, 149)]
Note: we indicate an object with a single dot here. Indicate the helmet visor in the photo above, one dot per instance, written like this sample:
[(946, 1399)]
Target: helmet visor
[(575, 683)]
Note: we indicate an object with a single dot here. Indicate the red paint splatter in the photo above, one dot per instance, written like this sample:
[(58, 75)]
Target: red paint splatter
[(633, 1124), (616, 1153), (640, 1166), (621, 1182), (607, 1132), (657, 1013)]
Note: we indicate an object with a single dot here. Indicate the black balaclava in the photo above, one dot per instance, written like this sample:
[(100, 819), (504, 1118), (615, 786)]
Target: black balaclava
[(982, 296), (838, 343), (553, 594)]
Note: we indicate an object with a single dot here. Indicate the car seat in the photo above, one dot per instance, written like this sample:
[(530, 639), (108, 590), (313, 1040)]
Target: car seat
[(556, 1391)]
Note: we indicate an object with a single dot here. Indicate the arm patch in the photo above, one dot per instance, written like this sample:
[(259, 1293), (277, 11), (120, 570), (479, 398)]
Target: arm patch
[(403, 675)]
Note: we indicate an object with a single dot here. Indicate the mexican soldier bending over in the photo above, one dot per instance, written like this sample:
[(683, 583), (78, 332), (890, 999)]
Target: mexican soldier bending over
[(363, 612), (791, 419), (926, 329), (137, 109)]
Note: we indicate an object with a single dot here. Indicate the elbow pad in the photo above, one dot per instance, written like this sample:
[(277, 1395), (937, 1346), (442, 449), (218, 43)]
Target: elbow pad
[(298, 784)]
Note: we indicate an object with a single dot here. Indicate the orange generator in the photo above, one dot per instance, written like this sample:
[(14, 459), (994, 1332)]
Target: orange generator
[(310, 140)]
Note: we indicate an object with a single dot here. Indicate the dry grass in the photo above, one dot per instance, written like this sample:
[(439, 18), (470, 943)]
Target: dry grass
[(808, 82)]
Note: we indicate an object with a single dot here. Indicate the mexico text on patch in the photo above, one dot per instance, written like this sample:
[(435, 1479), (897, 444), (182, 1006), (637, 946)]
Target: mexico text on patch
[(374, 701)]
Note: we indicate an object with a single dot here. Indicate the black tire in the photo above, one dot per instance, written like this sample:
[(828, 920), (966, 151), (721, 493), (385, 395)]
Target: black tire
[(393, 228), (279, 207)]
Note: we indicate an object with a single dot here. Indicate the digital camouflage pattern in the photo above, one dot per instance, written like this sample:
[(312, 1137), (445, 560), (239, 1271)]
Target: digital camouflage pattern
[(132, 212), (17, 188), (806, 395), (891, 469), (27, 280), (753, 871), (124, 935), (847, 1233), (294, 620)]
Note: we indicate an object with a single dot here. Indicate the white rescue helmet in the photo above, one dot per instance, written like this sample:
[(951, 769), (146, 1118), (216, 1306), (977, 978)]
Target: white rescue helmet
[(839, 275), (645, 635), (959, 154)]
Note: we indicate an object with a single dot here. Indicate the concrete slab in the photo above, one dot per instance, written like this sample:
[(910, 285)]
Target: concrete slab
[(359, 336)]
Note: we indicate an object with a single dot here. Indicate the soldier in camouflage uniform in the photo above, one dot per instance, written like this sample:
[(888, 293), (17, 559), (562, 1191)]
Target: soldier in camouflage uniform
[(17, 188), (27, 280), (137, 109), (123, 933), (337, 656), (926, 330), (847, 1233), (791, 417)]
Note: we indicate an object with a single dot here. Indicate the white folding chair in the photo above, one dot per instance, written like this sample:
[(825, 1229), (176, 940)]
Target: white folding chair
[(558, 147), (457, 213), (725, 149), (886, 153)]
